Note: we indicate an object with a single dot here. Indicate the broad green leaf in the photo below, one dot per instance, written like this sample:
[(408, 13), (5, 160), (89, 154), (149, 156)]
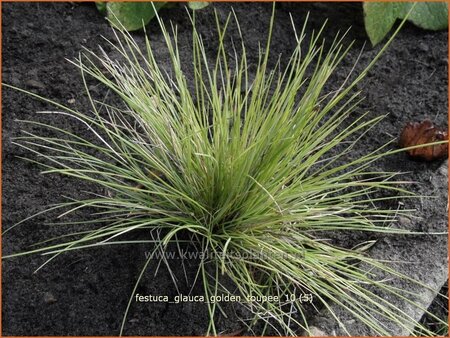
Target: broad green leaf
[(429, 15), (379, 17), (101, 6), (132, 15), (197, 4)]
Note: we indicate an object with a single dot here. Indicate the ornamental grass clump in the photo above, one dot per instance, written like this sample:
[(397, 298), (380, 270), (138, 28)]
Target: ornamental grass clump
[(255, 169)]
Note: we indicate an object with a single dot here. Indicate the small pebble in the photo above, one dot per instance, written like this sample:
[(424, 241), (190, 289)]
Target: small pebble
[(93, 89), (405, 221), (424, 47), (49, 298), (316, 332), (35, 84), (443, 169)]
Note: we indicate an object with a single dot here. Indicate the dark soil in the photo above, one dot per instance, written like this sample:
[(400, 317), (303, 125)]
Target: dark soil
[(86, 292)]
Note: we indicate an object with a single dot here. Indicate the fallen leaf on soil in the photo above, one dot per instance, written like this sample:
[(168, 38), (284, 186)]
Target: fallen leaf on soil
[(416, 133)]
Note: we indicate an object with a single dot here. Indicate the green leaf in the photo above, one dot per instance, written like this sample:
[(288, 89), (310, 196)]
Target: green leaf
[(379, 17), (194, 5), (429, 15), (132, 15), (101, 6)]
